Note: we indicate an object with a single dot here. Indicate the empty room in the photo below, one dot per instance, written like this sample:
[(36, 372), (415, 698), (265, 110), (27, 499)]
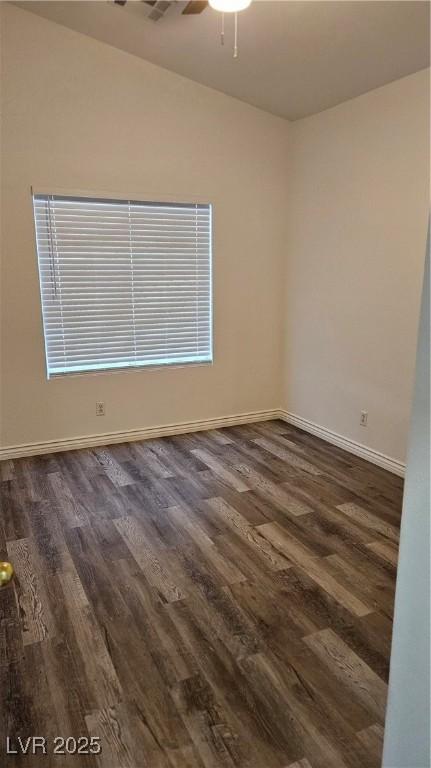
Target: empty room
[(214, 384)]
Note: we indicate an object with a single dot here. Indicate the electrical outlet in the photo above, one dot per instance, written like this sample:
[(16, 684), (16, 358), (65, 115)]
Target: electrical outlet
[(100, 409), (364, 418)]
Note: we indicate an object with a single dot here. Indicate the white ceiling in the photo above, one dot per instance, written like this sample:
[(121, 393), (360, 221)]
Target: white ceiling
[(296, 57)]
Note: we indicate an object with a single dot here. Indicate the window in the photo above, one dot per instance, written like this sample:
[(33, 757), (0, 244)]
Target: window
[(123, 283)]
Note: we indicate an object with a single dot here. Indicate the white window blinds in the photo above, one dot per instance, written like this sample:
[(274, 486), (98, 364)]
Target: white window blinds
[(123, 283)]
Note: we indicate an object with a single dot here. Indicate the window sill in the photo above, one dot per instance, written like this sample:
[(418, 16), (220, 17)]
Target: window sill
[(130, 369)]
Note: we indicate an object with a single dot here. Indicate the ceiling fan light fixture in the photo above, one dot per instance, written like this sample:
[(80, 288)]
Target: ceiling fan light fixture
[(229, 6)]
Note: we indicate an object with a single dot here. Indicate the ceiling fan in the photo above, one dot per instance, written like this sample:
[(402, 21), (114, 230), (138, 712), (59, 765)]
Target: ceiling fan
[(159, 7), (193, 7)]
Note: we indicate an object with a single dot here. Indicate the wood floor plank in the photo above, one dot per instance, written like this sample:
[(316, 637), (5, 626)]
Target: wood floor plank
[(99, 670), (298, 717), (385, 549), (314, 567), (113, 469), (114, 735), (36, 622), (369, 520), (214, 606), (261, 546), (15, 524), (227, 569), (219, 436), (150, 462), (217, 599), (181, 462), (278, 494), (156, 571), (219, 469), (363, 683), (170, 655), (126, 737), (71, 511), (377, 592), (372, 738), (209, 729), (231, 688), (65, 692), (288, 456)]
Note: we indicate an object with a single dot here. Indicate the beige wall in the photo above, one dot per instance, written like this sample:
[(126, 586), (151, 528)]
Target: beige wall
[(319, 231), (357, 218), (82, 115)]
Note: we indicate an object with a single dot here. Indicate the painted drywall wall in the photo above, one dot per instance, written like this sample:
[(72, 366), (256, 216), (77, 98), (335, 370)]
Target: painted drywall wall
[(407, 732), (357, 218), (319, 228), (80, 115)]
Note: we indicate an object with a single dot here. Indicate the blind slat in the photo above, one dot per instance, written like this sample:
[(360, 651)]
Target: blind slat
[(123, 283)]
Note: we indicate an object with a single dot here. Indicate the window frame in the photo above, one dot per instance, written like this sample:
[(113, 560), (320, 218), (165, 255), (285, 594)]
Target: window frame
[(105, 195)]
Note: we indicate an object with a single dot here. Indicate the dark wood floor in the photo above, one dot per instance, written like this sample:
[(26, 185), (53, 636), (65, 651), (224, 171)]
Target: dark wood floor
[(210, 600)]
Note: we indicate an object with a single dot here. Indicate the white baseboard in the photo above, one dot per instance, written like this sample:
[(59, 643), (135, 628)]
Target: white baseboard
[(108, 438), (369, 454)]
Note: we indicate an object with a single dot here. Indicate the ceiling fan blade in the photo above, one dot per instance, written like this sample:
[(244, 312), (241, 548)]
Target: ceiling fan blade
[(195, 6), (123, 2)]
